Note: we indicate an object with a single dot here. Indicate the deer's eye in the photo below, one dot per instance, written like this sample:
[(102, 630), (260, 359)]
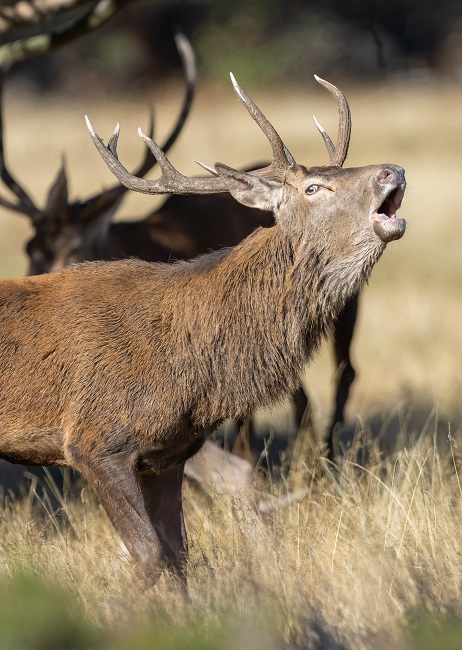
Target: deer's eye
[(312, 189)]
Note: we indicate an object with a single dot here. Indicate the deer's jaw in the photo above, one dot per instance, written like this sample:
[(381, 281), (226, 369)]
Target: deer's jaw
[(387, 226)]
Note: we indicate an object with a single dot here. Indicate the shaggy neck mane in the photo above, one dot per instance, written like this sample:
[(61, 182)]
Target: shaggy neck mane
[(254, 314)]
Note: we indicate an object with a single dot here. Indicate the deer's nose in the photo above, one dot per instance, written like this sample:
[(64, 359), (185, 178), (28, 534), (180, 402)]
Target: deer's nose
[(391, 175)]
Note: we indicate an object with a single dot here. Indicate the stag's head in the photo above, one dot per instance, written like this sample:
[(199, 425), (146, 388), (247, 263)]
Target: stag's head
[(354, 206)]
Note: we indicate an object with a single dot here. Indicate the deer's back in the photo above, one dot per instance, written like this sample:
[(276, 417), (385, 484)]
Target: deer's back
[(184, 227)]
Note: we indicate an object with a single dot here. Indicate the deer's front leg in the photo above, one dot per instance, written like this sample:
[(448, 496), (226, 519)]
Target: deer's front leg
[(146, 510)]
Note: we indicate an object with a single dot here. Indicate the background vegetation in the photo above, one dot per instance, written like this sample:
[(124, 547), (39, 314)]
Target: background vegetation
[(267, 41)]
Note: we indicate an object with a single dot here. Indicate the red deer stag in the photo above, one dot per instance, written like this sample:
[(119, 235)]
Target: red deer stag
[(130, 364), (182, 228)]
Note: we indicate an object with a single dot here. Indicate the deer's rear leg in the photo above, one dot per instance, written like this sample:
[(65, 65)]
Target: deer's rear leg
[(345, 373), (162, 494), (145, 509)]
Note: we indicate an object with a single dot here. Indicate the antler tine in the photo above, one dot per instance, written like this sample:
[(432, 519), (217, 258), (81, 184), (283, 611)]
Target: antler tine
[(188, 60), (171, 180), (325, 136), (339, 153), (15, 207), (282, 158)]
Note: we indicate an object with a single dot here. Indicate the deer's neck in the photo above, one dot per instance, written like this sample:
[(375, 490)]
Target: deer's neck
[(257, 312), (325, 273), (296, 287)]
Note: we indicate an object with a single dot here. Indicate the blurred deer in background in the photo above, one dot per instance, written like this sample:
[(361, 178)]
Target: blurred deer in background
[(131, 364), (66, 232), (182, 228)]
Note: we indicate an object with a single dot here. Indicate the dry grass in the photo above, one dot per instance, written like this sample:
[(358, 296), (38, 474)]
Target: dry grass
[(367, 547), (345, 566)]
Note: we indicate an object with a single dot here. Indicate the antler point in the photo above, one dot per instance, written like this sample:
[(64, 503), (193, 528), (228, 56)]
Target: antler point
[(206, 167), (89, 125), (237, 87), (325, 83), (320, 128), (188, 57), (179, 38)]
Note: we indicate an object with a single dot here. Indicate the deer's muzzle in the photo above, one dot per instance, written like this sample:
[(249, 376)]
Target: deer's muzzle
[(387, 226)]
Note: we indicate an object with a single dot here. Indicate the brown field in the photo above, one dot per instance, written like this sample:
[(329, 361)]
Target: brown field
[(348, 564)]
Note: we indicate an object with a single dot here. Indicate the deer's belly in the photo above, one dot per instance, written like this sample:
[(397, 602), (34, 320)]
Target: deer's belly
[(32, 446)]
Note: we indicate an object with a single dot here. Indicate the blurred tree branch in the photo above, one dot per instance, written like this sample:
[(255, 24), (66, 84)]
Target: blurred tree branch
[(43, 14), (33, 12)]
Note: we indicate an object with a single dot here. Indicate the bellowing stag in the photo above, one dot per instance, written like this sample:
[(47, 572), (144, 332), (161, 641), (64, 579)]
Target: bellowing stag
[(131, 364)]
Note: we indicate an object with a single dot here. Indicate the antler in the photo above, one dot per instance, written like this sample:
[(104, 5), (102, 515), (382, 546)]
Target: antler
[(339, 153), (282, 158), (171, 180)]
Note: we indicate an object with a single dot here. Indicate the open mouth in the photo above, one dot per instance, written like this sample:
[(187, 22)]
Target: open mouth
[(386, 224)]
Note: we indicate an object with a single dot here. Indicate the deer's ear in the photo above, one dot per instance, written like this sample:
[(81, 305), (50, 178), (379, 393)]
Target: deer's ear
[(57, 199), (250, 190)]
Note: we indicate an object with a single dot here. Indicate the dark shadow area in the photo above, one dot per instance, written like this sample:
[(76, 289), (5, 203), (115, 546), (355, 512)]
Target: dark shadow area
[(390, 429), (48, 484)]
